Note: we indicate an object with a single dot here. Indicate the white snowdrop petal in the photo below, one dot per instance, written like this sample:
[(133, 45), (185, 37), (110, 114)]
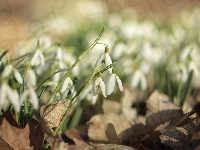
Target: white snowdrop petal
[(135, 80), (41, 57), (34, 60), (59, 54), (102, 86), (110, 84), (194, 67), (14, 99), (30, 77), (64, 86), (64, 95), (33, 98), (98, 62), (23, 97), (119, 82), (3, 100), (7, 71), (96, 86), (143, 81), (70, 83), (94, 89), (56, 77), (94, 99), (108, 60), (17, 76)]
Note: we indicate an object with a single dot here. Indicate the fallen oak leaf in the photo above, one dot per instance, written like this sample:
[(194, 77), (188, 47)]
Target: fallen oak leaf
[(123, 126), (175, 122), (98, 122), (5, 145), (177, 137), (21, 138), (80, 145), (160, 110), (113, 147)]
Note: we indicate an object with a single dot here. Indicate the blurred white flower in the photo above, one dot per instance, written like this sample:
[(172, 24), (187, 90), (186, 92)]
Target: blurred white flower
[(38, 58), (7, 94), (138, 77), (31, 95), (45, 41), (30, 77), (67, 85), (10, 69), (110, 83), (194, 67), (7, 71), (99, 84)]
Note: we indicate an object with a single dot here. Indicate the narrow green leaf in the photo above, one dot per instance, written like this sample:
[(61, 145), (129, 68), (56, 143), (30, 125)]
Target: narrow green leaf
[(169, 87), (186, 88), (3, 54)]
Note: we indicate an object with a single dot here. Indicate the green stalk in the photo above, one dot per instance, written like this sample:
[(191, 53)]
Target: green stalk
[(73, 103), (73, 66), (74, 100)]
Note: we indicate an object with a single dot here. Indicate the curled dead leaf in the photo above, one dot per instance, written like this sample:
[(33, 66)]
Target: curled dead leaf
[(177, 137), (29, 137), (123, 126), (98, 122), (160, 110), (113, 147), (51, 115)]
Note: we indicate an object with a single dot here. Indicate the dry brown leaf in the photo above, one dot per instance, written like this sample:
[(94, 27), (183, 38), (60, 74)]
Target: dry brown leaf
[(55, 142), (80, 145), (4, 145), (98, 122), (127, 100), (18, 138), (52, 114), (73, 133), (177, 137), (160, 110), (111, 106), (113, 147), (123, 126)]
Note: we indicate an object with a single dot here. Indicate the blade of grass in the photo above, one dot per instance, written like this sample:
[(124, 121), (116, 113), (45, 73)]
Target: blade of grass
[(3, 54), (169, 87), (186, 88)]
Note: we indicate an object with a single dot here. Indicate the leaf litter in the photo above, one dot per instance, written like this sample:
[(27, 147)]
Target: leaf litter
[(164, 126)]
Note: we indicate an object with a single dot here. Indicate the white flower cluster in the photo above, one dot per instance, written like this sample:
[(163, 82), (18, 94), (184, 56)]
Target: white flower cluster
[(108, 87)]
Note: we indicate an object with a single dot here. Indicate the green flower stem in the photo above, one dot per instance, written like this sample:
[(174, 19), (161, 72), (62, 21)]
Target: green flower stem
[(61, 70), (74, 101), (73, 66)]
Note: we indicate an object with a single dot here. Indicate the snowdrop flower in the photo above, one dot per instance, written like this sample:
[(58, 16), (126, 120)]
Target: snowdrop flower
[(31, 95), (192, 66), (98, 84), (10, 69), (104, 58), (30, 77), (8, 95), (38, 58), (110, 83), (67, 85), (138, 77)]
